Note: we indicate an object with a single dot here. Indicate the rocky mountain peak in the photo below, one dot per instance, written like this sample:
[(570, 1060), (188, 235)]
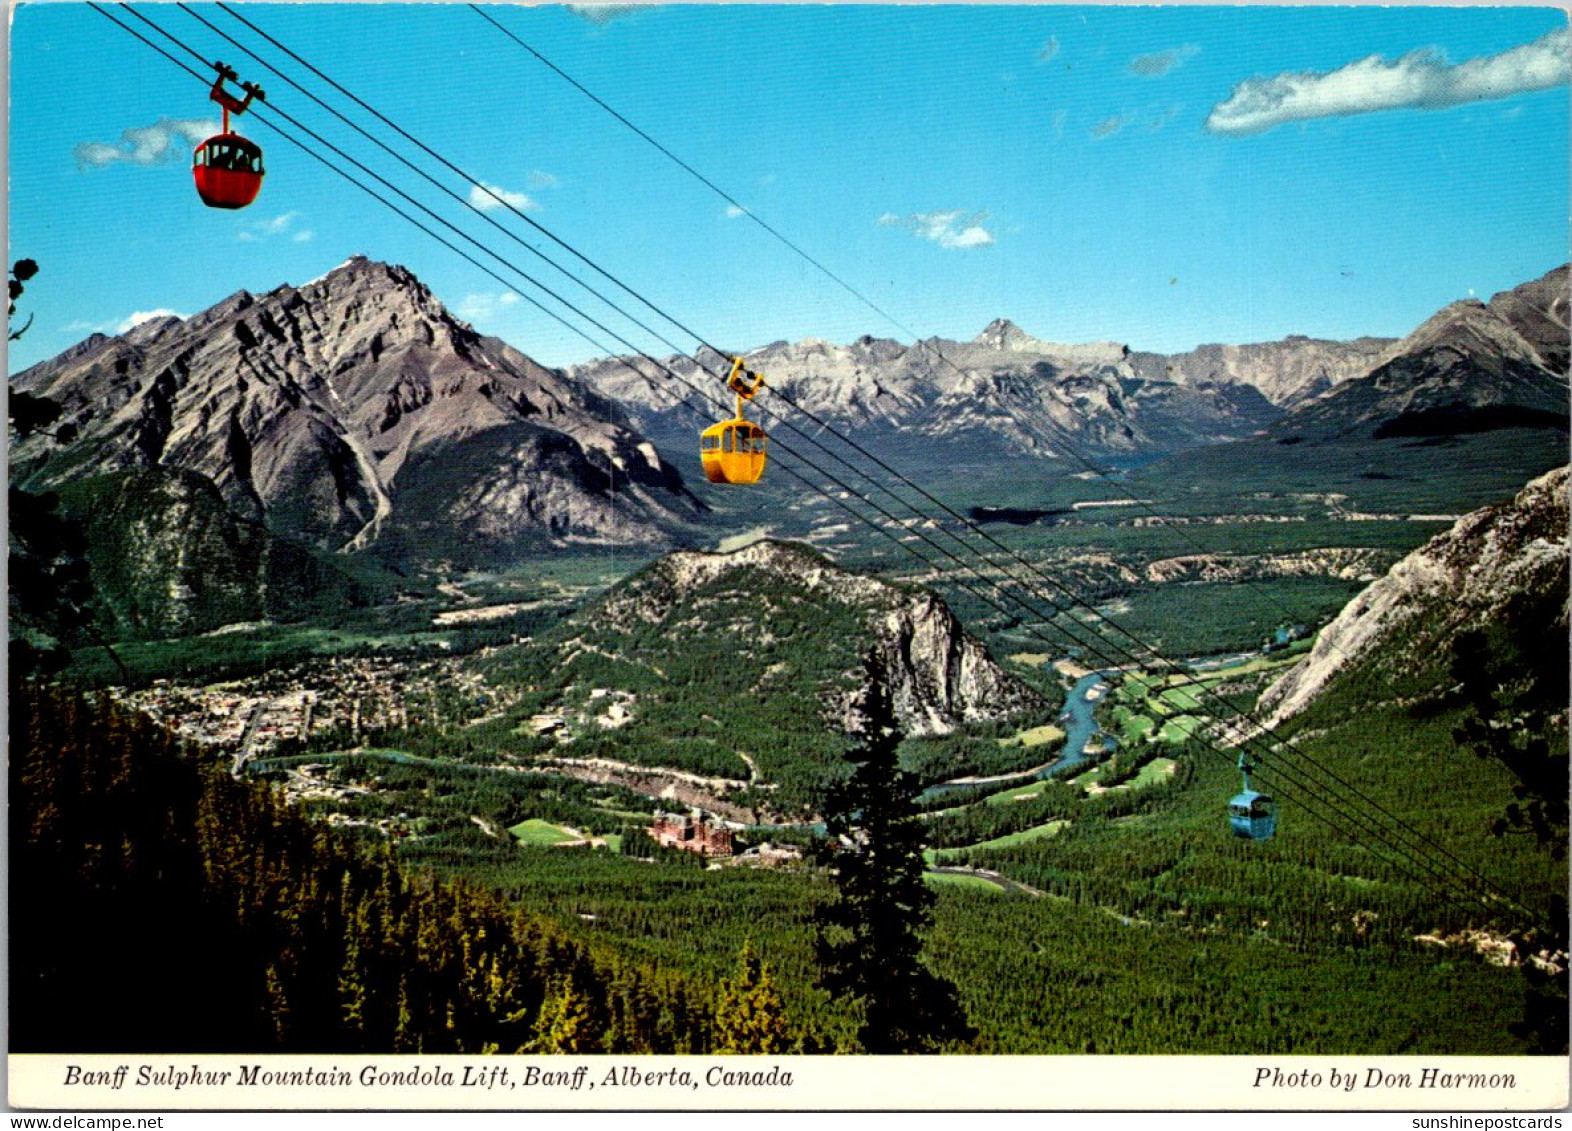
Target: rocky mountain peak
[(1539, 311), (1471, 367), (359, 273), (1003, 335), (356, 407), (1528, 323), (1470, 326)]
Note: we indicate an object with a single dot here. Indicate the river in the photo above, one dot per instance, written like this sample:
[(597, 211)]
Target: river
[(1215, 663), (1080, 727)]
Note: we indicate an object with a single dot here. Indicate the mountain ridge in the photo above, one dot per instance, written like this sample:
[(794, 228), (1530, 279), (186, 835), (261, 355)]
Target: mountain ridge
[(1002, 388), (1029, 396), (355, 408), (1472, 570), (1472, 366)]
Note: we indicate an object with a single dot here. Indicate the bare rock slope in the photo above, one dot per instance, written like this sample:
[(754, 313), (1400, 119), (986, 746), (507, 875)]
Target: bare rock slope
[(355, 411), (1472, 367), (1466, 573), (1287, 373)]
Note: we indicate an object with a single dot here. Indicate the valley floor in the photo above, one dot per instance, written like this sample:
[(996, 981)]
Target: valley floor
[(1090, 896)]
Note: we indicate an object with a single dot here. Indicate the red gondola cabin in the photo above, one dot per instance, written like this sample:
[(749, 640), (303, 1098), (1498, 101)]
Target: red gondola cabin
[(227, 168), (228, 171)]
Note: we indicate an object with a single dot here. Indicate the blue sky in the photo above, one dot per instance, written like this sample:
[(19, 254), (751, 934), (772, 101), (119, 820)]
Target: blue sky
[(1162, 177)]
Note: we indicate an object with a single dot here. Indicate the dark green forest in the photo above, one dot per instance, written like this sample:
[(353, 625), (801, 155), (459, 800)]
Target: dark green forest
[(250, 928), (736, 666), (205, 916)]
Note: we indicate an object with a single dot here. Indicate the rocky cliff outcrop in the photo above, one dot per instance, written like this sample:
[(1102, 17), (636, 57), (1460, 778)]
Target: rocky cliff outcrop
[(1343, 563), (939, 674), (1457, 580)]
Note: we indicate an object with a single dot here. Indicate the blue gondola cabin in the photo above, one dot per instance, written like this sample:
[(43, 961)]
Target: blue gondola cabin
[(1251, 815)]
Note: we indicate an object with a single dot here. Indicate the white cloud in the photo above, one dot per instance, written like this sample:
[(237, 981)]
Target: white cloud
[(487, 197), (951, 228), (1048, 50), (1108, 126), (733, 211), (1420, 80), (483, 307), (1161, 62), (540, 179), (280, 225), (1059, 117), (972, 235), (603, 14), (157, 144), (141, 316)]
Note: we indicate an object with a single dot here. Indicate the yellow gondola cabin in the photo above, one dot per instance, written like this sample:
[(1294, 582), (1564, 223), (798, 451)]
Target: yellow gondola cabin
[(734, 451)]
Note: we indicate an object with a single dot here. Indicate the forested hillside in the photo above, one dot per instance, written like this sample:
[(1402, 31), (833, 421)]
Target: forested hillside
[(740, 667), (159, 906)]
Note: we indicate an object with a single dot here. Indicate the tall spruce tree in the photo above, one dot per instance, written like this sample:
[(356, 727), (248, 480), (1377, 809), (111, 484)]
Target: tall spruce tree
[(750, 1016), (870, 935), (50, 587), (1512, 677), (566, 1023)]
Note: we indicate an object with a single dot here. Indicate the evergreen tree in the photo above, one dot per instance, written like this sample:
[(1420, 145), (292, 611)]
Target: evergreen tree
[(566, 1022), (21, 271), (870, 942), (1513, 676), (292, 938), (751, 1018), (50, 588)]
